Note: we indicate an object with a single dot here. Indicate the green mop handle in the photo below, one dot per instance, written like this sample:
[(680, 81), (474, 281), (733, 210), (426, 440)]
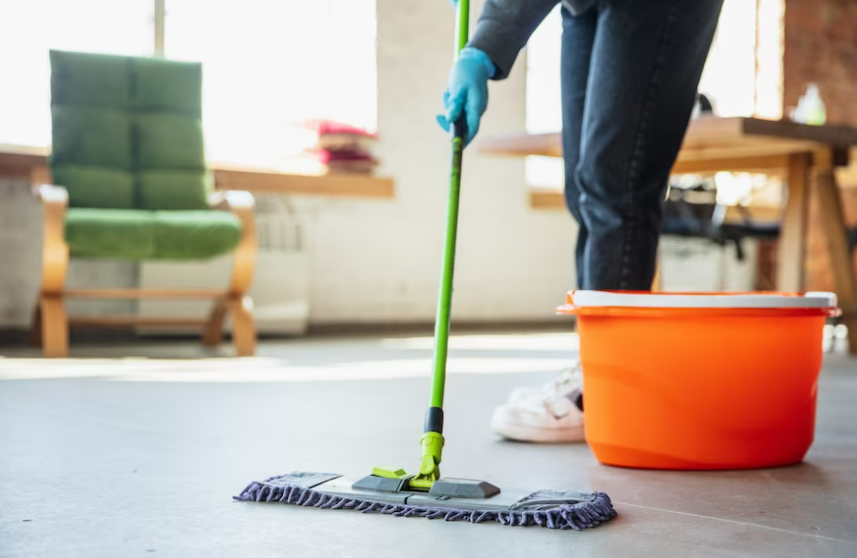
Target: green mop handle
[(432, 440)]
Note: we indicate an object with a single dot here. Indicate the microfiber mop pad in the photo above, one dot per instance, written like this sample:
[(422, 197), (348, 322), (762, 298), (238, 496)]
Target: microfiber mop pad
[(554, 509)]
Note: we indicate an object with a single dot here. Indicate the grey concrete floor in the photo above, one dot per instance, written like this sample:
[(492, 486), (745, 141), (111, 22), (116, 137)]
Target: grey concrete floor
[(140, 457)]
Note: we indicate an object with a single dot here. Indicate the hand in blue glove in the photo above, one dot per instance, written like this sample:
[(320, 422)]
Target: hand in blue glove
[(467, 94)]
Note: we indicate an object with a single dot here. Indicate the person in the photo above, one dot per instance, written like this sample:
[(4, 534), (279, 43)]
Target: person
[(629, 76)]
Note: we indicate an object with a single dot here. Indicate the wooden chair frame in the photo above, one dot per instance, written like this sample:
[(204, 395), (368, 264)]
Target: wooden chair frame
[(51, 322)]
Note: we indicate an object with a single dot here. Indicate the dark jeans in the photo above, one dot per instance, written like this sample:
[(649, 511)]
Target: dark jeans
[(630, 69)]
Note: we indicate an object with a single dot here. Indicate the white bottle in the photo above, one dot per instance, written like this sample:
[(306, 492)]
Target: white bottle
[(811, 107)]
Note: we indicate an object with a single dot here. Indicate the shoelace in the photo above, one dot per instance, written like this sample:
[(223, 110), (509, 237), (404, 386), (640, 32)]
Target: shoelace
[(568, 382), (569, 379)]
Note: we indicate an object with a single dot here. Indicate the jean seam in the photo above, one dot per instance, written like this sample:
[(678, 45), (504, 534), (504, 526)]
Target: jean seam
[(637, 151)]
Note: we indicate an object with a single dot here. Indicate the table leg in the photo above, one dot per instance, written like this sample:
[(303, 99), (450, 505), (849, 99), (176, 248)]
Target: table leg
[(792, 249), (656, 281), (833, 225)]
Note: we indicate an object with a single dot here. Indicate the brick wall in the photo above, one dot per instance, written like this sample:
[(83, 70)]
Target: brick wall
[(820, 45)]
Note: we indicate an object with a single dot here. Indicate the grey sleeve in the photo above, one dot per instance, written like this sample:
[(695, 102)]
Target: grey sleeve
[(505, 26)]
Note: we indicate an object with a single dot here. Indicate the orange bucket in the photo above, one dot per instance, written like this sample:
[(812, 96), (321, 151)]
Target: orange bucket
[(700, 380)]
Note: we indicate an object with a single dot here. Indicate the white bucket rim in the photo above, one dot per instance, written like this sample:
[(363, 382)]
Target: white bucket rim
[(589, 299)]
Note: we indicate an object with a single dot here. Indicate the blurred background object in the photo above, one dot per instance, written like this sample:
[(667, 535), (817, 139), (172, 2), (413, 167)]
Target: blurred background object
[(128, 181), (349, 235), (342, 148)]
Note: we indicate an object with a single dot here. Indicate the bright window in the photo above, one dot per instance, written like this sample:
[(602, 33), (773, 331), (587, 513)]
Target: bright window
[(31, 28), (267, 64), (544, 113)]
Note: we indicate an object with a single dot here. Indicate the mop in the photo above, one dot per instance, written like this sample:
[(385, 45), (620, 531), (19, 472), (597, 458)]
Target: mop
[(426, 493)]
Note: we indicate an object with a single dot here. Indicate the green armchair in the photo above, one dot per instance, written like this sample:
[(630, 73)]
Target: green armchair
[(128, 180)]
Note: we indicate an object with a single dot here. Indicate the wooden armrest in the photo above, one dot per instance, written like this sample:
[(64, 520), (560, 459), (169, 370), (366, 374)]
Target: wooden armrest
[(44, 189), (243, 205), (54, 248), (50, 194)]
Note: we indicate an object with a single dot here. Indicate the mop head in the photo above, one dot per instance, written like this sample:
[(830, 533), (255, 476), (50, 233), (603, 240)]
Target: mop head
[(553, 509)]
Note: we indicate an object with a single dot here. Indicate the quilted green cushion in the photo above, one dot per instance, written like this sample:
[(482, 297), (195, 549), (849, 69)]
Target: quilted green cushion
[(168, 86), (92, 152), (138, 115), (150, 235), (189, 235), (89, 136), (169, 141), (111, 233), (170, 153), (174, 189), (96, 186), (90, 80), (128, 145)]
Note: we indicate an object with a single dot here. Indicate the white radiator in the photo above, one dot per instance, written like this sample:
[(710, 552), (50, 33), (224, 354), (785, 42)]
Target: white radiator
[(696, 264), (280, 288)]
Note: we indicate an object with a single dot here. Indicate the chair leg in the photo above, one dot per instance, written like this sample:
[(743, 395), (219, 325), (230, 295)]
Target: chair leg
[(791, 259), (36, 326), (54, 325), (243, 326), (213, 335)]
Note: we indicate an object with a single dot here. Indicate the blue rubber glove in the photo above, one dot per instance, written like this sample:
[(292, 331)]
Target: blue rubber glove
[(467, 93)]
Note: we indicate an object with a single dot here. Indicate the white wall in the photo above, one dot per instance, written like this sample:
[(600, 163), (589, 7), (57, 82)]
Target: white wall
[(380, 260), (20, 240)]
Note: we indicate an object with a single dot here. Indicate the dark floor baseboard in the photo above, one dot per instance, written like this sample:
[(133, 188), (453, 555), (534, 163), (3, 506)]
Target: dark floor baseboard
[(16, 337), (561, 323)]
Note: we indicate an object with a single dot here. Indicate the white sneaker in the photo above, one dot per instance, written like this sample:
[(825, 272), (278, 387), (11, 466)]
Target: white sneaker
[(547, 414)]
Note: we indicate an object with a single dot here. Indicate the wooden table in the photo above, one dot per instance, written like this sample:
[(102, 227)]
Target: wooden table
[(21, 161), (807, 156)]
